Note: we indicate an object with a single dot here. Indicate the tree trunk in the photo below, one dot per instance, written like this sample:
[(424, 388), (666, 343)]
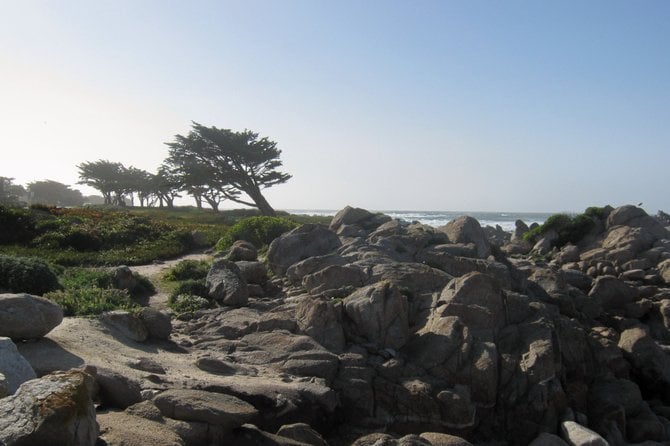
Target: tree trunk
[(213, 203), (261, 203)]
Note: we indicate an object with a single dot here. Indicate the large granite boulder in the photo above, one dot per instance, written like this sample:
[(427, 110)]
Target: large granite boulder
[(335, 280), (24, 316), (361, 218), (55, 409), (242, 250), (226, 285), (466, 229), (299, 244), (379, 314), (217, 409), (13, 366)]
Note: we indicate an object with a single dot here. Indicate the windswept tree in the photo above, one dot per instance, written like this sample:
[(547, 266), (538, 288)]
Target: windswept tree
[(104, 176), (10, 193), (239, 163), (54, 193)]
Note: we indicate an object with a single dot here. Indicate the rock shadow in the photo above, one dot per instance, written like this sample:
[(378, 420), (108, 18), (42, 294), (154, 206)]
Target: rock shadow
[(46, 356)]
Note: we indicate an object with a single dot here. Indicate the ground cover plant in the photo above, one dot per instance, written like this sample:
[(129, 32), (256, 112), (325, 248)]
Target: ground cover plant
[(26, 275), (104, 236), (88, 292), (260, 231)]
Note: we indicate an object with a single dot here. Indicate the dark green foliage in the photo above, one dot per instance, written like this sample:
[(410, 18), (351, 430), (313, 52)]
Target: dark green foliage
[(260, 231), (26, 275), (569, 229), (596, 212), (16, 225), (90, 301), (188, 269), (191, 287), (188, 303)]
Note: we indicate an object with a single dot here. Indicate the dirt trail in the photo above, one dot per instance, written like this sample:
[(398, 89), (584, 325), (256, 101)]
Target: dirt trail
[(154, 272)]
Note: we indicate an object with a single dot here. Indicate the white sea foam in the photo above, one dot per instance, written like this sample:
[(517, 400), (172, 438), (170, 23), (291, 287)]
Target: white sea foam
[(439, 218)]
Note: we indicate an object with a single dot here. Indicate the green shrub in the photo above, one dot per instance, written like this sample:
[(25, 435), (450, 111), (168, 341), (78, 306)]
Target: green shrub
[(190, 287), (26, 275), (260, 231), (188, 303), (188, 269), (16, 225), (90, 301), (569, 229)]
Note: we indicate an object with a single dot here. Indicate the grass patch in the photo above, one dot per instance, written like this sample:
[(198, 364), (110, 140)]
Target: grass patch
[(188, 269), (89, 292)]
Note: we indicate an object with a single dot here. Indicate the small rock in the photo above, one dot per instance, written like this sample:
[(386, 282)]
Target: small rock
[(158, 323), (577, 435), (117, 390)]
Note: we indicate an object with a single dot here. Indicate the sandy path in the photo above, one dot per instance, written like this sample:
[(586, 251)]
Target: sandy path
[(154, 272)]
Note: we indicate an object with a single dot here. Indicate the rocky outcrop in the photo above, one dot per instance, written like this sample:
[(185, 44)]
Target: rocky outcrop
[(378, 325), (23, 316), (299, 244), (55, 409)]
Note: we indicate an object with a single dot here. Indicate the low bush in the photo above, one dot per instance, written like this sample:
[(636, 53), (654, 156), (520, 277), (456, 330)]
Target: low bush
[(190, 287), (570, 229), (26, 275), (91, 301), (188, 269), (17, 225), (260, 231), (188, 303)]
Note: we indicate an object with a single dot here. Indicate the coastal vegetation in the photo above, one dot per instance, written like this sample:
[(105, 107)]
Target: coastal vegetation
[(567, 228)]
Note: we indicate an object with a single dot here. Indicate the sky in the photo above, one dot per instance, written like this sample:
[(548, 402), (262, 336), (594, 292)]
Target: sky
[(529, 106)]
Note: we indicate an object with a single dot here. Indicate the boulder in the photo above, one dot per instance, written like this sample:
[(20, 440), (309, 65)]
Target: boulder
[(128, 324), (226, 285), (302, 433), (611, 292), (577, 435), (335, 280), (477, 300), (242, 250), (253, 272), (379, 314), (322, 321), (651, 365), (466, 229), (250, 435), (56, 409), (123, 278), (357, 216), (520, 228), (24, 316), (117, 390), (624, 214), (157, 322), (439, 257), (120, 428), (297, 271), (416, 278), (299, 244), (14, 367), (214, 408)]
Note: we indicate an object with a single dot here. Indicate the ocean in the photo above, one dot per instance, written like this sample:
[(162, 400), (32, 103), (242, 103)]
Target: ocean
[(438, 218)]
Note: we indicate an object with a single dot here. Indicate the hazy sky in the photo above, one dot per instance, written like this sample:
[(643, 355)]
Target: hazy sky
[(423, 105)]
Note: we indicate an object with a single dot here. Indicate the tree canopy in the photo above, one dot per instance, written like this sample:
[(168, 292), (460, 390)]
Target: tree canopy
[(54, 193), (233, 164)]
